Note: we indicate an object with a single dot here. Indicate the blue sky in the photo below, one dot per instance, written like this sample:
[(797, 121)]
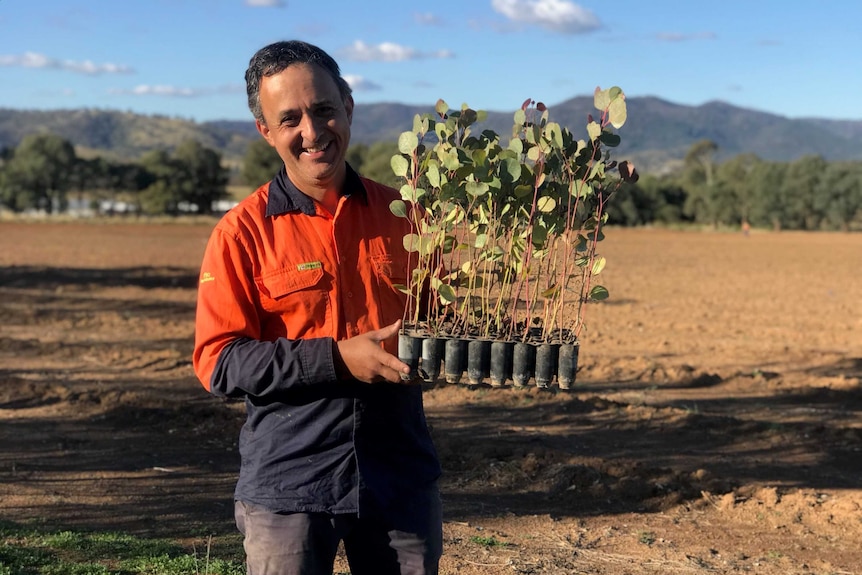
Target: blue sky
[(186, 58)]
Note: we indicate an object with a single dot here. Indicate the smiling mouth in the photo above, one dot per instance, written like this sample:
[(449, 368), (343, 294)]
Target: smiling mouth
[(316, 149)]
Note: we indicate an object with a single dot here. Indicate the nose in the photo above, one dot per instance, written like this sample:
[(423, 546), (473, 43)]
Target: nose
[(311, 128)]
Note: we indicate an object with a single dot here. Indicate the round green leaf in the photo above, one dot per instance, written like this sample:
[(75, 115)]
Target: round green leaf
[(617, 112), (399, 208), (400, 165), (411, 242), (407, 143), (599, 265), (598, 293), (446, 293), (546, 204)]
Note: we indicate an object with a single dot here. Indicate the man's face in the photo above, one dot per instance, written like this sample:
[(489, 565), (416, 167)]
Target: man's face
[(308, 124)]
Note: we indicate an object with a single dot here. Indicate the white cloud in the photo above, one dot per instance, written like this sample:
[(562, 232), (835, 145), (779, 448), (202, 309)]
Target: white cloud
[(556, 15), (155, 90), (360, 84), (677, 37), (175, 91), (427, 19), (33, 60), (359, 51), (265, 3)]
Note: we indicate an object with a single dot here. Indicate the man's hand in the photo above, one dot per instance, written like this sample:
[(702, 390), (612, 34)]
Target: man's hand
[(364, 358)]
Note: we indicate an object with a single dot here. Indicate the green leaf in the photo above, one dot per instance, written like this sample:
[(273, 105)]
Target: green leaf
[(546, 204), (399, 208), (610, 139), (580, 189), (411, 242), (446, 293), (441, 107), (598, 293), (594, 130), (407, 143), (481, 240), (516, 145), (617, 112), (477, 189), (433, 174), (599, 265), (551, 292), (553, 133), (400, 165), (520, 118), (601, 98)]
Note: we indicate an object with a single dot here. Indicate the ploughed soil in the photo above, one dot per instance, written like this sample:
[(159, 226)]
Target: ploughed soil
[(715, 427)]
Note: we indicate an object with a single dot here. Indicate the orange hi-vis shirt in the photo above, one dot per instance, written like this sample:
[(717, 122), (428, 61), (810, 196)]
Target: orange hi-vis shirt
[(275, 268)]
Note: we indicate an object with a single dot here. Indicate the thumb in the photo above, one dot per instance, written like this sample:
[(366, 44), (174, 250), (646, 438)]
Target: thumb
[(385, 333)]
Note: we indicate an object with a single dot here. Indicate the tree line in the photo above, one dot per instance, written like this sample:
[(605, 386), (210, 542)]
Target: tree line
[(809, 193), (44, 172)]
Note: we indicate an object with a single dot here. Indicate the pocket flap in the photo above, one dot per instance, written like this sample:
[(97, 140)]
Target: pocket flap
[(288, 280)]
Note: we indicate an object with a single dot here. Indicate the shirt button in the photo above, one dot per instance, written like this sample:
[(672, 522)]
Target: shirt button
[(350, 294)]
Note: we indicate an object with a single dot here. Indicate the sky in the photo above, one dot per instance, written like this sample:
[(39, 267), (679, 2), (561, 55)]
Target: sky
[(187, 58)]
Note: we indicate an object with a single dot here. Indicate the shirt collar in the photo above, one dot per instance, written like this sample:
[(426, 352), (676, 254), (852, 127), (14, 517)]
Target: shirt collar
[(285, 197)]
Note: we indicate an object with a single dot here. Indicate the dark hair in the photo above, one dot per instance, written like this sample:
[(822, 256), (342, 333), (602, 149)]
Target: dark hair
[(274, 58)]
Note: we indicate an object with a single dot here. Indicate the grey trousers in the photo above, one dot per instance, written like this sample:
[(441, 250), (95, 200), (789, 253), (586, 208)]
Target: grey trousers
[(306, 543)]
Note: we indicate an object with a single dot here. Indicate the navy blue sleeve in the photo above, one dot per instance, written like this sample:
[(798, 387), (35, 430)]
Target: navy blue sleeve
[(263, 369)]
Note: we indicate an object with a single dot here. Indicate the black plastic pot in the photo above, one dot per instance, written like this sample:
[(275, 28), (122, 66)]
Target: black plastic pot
[(432, 356), (547, 355), (409, 351), (478, 360), (455, 359), (523, 363), (502, 353), (567, 369)]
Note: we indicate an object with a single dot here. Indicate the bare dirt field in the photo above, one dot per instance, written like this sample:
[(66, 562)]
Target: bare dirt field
[(716, 426)]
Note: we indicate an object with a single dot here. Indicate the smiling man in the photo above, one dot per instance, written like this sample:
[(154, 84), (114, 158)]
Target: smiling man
[(297, 315)]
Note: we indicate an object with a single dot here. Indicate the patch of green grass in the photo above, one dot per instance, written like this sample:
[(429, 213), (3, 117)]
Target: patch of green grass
[(490, 541), (646, 537), (28, 551)]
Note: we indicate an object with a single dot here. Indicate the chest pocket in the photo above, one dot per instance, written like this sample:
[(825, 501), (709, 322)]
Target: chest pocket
[(391, 271), (298, 301)]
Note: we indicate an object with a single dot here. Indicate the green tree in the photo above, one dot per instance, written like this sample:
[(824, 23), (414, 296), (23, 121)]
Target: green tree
[(704, 197), (204, 178), (260, 164), (768, 207), (164, 194), (841, 199), (735, 184), (802, 185), (37, 174)]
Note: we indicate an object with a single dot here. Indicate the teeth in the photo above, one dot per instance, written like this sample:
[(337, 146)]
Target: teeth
[(317, 149)]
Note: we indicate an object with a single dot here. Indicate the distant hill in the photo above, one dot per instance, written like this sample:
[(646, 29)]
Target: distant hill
[(657, 134)]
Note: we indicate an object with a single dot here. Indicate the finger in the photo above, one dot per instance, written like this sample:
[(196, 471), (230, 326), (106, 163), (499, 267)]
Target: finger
[(391, 330)]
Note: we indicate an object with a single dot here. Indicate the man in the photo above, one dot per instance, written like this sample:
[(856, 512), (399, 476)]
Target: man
[(298, 314)]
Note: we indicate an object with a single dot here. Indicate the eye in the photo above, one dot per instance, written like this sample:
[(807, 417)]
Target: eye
[(290, 121)]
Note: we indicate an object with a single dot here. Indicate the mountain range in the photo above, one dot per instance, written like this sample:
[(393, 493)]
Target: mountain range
[(657, 134)]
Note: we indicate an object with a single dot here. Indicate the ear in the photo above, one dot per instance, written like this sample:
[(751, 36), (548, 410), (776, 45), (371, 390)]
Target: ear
[(348, 107), (263, 130)]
